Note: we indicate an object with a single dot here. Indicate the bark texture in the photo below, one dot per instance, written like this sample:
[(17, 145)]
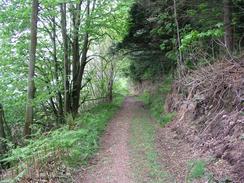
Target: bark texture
[(178, 34), (228, 34), (66, 60), (31, 83)]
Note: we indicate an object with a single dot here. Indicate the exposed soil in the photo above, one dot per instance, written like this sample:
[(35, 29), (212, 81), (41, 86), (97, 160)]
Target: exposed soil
[(174, 154), (210, 117)]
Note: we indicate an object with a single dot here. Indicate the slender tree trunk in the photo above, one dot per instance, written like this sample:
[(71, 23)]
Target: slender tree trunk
[(31, 83), (56, 75), (111, 82), (78, 81), (181, 62), (228, 34), (2, 132), (53, 106), (66, 60), (76, 60)]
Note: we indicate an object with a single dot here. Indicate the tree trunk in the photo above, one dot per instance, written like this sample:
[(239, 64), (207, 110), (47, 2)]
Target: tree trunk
[(76, 60), (228, 34), (178, 35), (2, 132), (66, 60), (31, 83), (56, 75), (111, 82), (78, 80), (78, 63)]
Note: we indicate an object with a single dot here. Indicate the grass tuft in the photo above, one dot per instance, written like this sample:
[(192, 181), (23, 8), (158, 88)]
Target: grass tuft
[(196, 169), (167, 118)]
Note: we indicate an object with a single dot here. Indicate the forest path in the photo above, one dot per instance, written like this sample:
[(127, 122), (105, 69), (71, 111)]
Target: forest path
[(131, 150), (113, 160)]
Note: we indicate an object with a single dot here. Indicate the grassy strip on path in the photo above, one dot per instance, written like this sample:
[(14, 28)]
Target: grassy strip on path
[(146, 167)]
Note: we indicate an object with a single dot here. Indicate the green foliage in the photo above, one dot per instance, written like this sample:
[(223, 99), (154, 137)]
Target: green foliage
[(159, 98), (196, 169), (167, 118), (166, 86), (121, 86), (155, 102), (147, 66), (153, 30), (72, 146), (194, 36), (104, 20), (145, 97), (14, 21), (14, 55), (150, 38)]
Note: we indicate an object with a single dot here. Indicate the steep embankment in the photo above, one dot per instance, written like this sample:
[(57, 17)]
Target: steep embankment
[(209, 105)]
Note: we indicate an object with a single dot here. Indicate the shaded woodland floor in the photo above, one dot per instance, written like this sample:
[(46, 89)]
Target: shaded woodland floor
[(135, 149)]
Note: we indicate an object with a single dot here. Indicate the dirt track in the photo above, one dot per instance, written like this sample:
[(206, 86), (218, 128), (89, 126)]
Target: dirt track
[(113, 159), (115, 163)]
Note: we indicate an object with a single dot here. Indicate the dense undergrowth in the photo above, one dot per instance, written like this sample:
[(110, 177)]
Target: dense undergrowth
[(156, 100), (66, 147)]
